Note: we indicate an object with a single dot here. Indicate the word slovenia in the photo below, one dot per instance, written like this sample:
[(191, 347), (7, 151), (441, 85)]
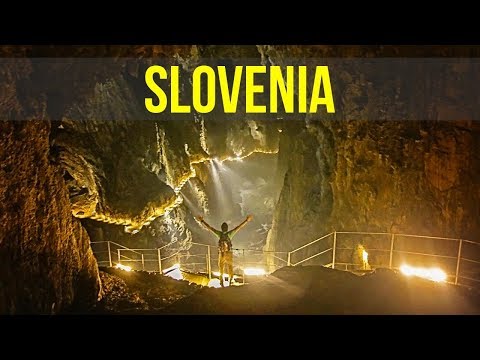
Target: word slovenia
[(204, 89)]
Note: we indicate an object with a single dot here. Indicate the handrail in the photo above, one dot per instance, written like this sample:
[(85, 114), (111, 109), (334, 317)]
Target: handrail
[(311, 257), (424, 254), (276, 256), (310, 243), (341, 248), (470, 242), (279, 258), (405, 235), (192, 255), (111, 242), (170, 256), (468, 278), (363, 233), (470, 260), (124, 256), (430, 237), (195, 243), (132, 250), (260, 251)]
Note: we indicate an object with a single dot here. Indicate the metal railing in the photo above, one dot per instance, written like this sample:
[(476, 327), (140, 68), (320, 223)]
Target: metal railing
[(199, 258), (459, 258)]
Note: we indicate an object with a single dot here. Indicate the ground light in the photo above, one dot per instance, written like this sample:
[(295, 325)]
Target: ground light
[(254, 271), (216, 282), (433, 274), (366, 265), (123, 267), (173, 272), (247, 271)]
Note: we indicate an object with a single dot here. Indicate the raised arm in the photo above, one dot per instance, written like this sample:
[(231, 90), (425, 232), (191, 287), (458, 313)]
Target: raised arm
[(207, 226), (242, 224)]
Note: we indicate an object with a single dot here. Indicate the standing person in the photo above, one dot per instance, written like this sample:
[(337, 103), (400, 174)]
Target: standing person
[(225, 254)]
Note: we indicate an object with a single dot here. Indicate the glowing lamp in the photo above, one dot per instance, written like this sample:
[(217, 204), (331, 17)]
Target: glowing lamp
[(365, 256), (254, 271), (433, 274), (123, 267)]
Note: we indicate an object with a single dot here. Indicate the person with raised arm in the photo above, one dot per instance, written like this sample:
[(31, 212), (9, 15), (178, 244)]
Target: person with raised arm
[(225, 253)]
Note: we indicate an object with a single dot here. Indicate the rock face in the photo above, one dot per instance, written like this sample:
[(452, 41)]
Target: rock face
[(402, 177), (372, 172), (47, 265), (46, 262)]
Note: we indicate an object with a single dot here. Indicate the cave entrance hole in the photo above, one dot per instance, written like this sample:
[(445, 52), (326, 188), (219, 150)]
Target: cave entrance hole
[(238, 187)]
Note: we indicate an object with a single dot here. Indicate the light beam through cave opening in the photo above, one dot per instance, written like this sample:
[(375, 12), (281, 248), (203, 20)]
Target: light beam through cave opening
[(242, 186)]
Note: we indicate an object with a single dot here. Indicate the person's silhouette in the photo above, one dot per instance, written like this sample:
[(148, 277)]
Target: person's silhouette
[(225, 254)]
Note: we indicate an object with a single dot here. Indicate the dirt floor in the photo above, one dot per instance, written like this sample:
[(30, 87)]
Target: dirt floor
[(290, 290), (139, 292)]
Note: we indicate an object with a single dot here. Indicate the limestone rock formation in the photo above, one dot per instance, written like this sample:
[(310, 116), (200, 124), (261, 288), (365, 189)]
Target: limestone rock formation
[(47, 265)]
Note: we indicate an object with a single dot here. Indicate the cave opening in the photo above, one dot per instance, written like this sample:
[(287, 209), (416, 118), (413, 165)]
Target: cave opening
[(220, 190), (235, 188)]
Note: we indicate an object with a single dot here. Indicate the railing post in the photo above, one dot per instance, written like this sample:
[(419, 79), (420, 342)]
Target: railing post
[(392, 240), (289, 258), (143, 263), (109, 254), (334, 248), (209, 263), (206, 263), (458, 261), (159, 261), (243, 256), (118, 254)]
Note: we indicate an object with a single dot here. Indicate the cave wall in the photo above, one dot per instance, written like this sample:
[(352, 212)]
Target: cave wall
[(128, 172), (46, 264), (411, 178), (362, 172)]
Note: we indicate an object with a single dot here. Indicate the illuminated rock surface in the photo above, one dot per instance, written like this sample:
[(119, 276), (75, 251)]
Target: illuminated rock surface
[(46, 263)]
